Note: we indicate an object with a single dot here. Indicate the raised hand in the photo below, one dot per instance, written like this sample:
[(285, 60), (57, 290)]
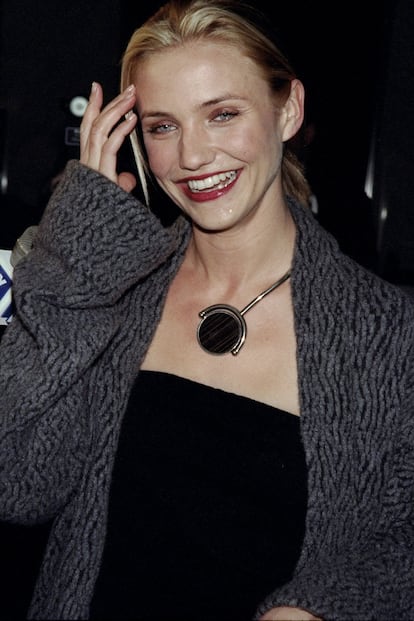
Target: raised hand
[(103, 131)]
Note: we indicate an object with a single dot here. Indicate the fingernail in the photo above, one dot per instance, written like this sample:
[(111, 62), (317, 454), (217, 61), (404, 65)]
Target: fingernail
[(93, 88), (129, 91)]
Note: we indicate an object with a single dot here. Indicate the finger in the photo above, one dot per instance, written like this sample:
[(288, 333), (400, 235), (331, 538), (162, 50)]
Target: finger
[(92, 111), (127, 181), (102, 127), (109, 151)]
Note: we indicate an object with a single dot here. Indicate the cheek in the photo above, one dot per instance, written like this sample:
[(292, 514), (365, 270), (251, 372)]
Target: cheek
[(160, 157), (256, 139), (240, 145), (250, 146)]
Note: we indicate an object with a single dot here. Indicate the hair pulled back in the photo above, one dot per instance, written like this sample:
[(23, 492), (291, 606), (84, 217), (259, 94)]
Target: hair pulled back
[(232, 22)]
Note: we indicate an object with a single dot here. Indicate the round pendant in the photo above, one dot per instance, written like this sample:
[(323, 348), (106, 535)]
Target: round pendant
[(222, 329)]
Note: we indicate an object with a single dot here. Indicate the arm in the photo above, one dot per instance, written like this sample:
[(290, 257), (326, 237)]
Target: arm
[(368, 574), (94, 242), (66, 293)]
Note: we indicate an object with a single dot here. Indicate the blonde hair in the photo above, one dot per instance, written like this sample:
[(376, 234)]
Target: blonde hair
[(229, 21)]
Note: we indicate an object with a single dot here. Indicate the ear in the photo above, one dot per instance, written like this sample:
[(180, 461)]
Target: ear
[(293, 110)]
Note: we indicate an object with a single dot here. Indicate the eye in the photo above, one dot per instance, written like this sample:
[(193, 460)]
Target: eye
[(224, 116), (161, 128)]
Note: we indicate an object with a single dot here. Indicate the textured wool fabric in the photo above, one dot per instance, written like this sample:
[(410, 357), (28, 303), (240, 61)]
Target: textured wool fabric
[(88, 299)]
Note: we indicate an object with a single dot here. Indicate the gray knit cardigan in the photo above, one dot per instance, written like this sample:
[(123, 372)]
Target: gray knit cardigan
[(88, 299)]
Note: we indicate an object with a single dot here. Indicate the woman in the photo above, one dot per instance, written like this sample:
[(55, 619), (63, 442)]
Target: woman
[(216, 409)]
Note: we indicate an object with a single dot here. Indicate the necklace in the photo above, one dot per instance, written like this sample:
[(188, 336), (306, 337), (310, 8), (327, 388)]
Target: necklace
[(223, 329)]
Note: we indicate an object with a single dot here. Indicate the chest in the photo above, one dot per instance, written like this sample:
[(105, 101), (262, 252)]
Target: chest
[(265, 366)]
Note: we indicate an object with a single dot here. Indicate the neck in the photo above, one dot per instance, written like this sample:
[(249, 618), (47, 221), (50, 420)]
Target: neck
[(251, 255)]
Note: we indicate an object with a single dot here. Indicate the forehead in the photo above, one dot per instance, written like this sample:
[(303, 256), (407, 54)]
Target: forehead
[(198, 69)]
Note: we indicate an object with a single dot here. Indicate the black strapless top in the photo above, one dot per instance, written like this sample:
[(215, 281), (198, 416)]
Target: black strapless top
[(207, 505)]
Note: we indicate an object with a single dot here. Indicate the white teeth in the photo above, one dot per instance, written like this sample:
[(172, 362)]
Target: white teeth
[(216, 182)]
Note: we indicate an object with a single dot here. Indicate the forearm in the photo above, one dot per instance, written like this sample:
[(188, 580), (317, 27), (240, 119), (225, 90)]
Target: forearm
[(61, 325)]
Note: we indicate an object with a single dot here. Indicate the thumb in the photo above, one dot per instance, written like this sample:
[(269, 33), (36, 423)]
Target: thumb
[(127, 181)]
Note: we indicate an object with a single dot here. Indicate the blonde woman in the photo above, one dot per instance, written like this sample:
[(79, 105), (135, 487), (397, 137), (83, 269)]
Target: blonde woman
[(216, 408)]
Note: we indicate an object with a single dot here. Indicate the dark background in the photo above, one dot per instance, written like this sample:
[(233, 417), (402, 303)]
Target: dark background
[(355, 58), (357, 62)]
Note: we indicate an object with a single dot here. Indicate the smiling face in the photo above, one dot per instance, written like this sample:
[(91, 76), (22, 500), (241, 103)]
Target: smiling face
[(212, 132)]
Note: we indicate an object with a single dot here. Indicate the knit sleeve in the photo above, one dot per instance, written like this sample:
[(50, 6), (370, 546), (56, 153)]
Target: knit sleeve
[(369, 575), (93, 243)]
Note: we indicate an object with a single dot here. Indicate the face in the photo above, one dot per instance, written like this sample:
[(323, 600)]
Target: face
[(212, 133)]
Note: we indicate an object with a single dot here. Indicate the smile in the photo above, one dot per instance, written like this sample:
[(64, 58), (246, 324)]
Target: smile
[(215, 182)]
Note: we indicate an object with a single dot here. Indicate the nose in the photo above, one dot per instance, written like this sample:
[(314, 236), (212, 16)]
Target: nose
[(195, 148)]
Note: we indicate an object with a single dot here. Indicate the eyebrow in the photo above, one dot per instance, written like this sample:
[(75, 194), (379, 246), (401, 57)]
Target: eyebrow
[(224, 97), (203, 105)]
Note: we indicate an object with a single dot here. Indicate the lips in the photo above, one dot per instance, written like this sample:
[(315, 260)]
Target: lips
[(215, 182), (211, 187)]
